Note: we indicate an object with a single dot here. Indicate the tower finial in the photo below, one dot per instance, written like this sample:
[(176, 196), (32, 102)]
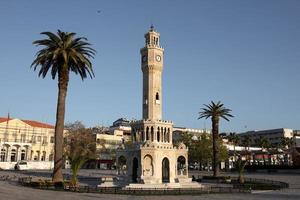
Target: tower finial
[(151, 27)]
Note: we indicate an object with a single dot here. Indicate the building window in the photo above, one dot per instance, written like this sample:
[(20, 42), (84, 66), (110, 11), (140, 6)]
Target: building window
[(13, 154), (157, 96), (52, 139), (43, 156), (23, 138), (2, 155), (51, 156), (45, 140), (23, 153)]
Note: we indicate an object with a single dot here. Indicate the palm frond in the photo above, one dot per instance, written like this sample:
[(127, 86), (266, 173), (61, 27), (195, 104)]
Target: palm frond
[(215, 110), (63, 50)]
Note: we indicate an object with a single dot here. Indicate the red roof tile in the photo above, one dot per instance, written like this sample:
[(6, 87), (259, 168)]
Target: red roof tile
[(30, 122), (37, 124), (3, 119)]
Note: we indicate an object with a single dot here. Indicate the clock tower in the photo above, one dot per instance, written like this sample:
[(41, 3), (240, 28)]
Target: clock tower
[(152, 67), (151, 157)]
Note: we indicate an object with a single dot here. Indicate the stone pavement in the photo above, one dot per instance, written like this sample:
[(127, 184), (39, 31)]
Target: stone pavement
[(9, 190)]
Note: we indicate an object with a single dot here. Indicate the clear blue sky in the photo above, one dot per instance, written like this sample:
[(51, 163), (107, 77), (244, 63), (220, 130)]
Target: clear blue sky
[(244, 53)]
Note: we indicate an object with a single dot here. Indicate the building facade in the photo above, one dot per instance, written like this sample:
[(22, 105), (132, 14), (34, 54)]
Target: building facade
[(121, 127), (178, 132), (273, 135), (26, 140), (151, 158)]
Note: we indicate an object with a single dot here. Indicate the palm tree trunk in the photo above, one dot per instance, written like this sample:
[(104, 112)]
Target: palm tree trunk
[(215, 132), (63, 79)]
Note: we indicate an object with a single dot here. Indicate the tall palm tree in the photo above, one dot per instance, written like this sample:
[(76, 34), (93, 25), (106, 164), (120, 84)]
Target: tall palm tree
[(62, 53), (215, 111)]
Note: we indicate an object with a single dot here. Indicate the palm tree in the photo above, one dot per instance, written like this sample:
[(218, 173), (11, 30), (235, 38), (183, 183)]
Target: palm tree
[(287, 145), (62, 53), (264, 144), (246, 142), (215, 111), (235, 140)]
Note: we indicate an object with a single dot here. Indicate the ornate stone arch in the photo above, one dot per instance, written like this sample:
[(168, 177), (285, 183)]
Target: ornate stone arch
[(181, 165), (122, 165), (148, 169)]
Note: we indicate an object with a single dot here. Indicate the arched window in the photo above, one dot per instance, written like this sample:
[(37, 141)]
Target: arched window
[(43, 158), (158, 135), (148, 166), (152, 133), (181, 165), (147, 133), (2, 155), (121, 165), (23, 154), (13, 155), (157, 96)]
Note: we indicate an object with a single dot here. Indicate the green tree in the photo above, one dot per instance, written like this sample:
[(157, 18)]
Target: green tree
[(60, 54), (80, 146), (287, 145), (215, 111), (200, 149), (204, 150), (185, 138), (246, 142), (223, 152), (74, 126)]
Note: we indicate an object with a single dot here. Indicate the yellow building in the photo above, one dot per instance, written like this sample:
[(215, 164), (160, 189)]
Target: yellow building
[(25, 140), (108, 140)]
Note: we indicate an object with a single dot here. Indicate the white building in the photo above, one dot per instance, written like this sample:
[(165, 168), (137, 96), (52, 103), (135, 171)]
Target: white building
[(273, 135)]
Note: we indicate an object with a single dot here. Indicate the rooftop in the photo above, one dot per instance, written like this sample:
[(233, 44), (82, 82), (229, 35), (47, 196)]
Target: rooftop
[(29, 122)]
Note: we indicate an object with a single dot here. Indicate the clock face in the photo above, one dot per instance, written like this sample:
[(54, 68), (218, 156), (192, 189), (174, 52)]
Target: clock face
[(144, 58), (158, 58)]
